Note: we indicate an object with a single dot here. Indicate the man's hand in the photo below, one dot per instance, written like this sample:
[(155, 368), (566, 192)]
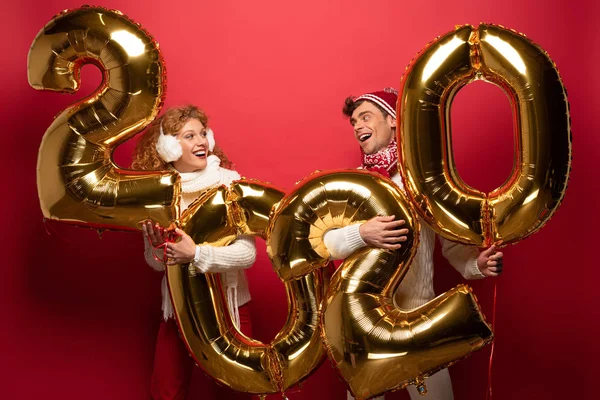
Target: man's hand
[(183, 250), (383, 232), (489, 262)]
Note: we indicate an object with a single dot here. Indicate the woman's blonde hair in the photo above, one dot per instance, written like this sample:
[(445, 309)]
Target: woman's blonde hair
[(145, 156)]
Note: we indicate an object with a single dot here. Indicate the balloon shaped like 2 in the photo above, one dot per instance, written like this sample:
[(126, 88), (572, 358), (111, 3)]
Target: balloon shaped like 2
[(536, 187), (375, 346), (77, 179), (364, 333)]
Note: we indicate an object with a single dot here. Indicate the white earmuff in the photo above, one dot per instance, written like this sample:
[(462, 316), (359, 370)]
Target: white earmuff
[(211, 139), (168, 147)]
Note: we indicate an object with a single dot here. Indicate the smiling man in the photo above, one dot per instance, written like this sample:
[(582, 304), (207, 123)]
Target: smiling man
[(373, 119)]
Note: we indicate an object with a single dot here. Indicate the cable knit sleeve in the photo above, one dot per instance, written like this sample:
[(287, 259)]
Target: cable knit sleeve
[(342, 242), (240, 254), (155, 264), (463, 258)]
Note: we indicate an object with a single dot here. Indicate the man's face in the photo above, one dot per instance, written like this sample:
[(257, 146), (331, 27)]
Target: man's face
[(372, 130)]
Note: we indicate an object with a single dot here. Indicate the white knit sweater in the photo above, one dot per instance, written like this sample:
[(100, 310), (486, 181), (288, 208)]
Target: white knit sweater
[(416, 288), (230, 260)]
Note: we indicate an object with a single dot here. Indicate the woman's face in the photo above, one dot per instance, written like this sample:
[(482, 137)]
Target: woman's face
[(192, 138)]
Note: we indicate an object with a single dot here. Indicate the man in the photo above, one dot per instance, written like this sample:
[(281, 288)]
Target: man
[(373, 117)]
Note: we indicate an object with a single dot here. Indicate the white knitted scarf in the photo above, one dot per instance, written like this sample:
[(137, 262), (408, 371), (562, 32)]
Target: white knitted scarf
[(194, 182)]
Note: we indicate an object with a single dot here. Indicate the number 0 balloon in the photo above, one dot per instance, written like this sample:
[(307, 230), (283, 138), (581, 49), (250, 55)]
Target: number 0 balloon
[(532, 193)]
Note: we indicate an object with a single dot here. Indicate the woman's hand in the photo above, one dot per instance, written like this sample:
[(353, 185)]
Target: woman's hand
[(155, 234), (183, 250)]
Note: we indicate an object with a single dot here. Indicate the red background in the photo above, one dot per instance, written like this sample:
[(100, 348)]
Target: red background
[(79, 315)]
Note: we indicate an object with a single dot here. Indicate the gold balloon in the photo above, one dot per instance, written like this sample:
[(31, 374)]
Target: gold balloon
[(375, 346), (535, 189), (234, 360), (77, 180)]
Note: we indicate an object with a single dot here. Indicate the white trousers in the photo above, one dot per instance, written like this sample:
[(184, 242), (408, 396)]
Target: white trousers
[(439, 387)]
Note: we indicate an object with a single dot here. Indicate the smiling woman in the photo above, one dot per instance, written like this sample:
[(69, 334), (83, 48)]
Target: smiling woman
[(180, 140), (194, 145), (160, 152)]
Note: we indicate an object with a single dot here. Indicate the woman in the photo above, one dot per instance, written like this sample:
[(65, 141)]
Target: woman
[(181, 140)]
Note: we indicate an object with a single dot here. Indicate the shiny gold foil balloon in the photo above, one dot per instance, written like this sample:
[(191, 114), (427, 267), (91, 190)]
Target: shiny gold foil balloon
[(375, 346), (533, 192), (232, 359), (77, 179)]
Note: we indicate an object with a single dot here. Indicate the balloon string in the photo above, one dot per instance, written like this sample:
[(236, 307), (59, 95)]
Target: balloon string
[(48, 225), (488, 395), (163, 257), (45, 222), (169, 237)]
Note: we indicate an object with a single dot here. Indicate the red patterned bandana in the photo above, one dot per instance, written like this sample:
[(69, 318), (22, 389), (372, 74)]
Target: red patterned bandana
[(384, 161)]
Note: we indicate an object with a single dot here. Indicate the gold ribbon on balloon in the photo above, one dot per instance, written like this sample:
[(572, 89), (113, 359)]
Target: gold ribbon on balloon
[(77, 180), (364, 333), (535, 189)]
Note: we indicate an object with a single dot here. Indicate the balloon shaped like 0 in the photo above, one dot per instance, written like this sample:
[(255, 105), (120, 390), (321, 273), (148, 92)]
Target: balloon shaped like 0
[(364, 333), (536, 187), (77, 179), (232, 359)]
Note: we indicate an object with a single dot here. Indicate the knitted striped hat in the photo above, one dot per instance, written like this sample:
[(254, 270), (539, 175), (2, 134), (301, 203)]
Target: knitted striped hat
[(386, 99)]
